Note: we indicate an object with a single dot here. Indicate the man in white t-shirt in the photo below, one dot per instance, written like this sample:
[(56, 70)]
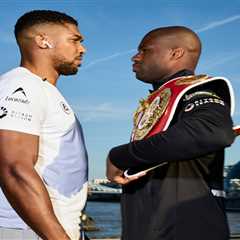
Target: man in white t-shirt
[(43, 159)]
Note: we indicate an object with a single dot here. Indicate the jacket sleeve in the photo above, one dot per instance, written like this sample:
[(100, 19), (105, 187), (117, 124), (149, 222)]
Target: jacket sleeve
[(203, 126)]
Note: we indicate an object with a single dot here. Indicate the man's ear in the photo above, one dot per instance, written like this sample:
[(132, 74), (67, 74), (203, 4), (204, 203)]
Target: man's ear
[(40, 40), (177, 53)]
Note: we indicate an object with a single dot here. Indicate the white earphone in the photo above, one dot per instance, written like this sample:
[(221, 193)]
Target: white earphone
[(49, 45)]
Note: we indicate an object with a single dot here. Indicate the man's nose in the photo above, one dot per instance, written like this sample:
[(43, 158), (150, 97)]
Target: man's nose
[(136, 57), (82, 49)]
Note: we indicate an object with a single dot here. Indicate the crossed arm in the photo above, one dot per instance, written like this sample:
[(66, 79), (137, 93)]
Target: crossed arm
[(23, 187), (205, 129)]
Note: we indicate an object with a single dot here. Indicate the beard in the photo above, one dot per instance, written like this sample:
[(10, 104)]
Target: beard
[(65, 68)]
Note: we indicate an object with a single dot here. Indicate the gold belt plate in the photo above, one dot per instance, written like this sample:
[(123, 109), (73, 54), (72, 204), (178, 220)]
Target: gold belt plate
[(191, 79), (148, 114)]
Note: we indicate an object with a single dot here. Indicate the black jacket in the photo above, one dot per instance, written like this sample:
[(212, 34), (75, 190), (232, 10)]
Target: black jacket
[(175, 202)]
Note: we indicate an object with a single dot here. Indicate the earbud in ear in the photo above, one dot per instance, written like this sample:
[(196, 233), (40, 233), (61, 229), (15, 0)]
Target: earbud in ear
[(47, 44)]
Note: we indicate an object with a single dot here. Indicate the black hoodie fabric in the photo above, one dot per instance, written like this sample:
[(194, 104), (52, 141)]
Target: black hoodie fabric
[(175, 201)]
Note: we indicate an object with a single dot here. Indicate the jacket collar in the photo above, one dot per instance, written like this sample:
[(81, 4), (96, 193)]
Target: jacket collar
[(181, 73)]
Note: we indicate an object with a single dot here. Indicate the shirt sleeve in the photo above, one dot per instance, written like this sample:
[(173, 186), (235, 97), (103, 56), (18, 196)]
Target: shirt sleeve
[(21, 108), (203, 126)]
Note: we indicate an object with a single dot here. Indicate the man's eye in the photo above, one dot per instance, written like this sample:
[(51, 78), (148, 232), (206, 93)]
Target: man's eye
[(75, 40), (143, 50)]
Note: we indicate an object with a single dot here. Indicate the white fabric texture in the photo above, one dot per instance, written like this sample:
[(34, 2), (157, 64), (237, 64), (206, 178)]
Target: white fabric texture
[(33, 106)]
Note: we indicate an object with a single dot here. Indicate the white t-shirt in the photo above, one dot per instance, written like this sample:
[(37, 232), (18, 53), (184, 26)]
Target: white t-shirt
[(31, 105)]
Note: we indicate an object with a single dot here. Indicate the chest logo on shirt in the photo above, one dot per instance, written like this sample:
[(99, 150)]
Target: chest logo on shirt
[(18, 96), (20, 90), (3, 112), (65, 108)]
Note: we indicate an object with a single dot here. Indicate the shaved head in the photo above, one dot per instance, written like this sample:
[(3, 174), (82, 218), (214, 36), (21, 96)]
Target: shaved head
[(179, 36), (165, 51)]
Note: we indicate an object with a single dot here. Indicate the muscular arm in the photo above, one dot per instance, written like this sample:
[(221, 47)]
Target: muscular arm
[(204, 129), (23, 187)]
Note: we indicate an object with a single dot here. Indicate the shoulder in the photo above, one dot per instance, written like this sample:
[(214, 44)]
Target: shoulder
[(201, 92), (201, 98), (210, 91), (20, 80), (22, 91)]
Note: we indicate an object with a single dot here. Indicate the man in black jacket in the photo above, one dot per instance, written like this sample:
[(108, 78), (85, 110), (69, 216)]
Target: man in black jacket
[(184, 124)]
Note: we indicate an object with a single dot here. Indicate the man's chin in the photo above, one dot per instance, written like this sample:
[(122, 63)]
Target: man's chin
[(142, 79), (67, 72)]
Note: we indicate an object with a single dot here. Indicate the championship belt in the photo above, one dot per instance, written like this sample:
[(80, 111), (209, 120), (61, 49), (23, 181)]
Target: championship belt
[(155, 113)]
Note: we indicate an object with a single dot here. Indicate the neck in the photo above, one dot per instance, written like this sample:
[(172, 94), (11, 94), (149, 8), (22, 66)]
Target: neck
[(42, 70)]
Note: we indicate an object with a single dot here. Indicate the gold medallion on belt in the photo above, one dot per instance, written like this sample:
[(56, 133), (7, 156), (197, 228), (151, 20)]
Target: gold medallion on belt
[(149, 113)]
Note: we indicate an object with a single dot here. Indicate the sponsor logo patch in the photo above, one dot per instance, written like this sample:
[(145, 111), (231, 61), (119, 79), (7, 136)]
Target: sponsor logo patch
[(18, 96), (199, 93), (21, 115), (189, 107), (20, 90), (65, 108), (203, 101), (3, 112), (18, 100)]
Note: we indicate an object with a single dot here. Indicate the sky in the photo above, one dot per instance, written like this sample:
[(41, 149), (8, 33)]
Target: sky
[(105, 93)]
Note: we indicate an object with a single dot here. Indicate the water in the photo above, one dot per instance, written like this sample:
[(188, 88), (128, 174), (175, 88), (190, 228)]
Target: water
[(107, 218), (234, 221)]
